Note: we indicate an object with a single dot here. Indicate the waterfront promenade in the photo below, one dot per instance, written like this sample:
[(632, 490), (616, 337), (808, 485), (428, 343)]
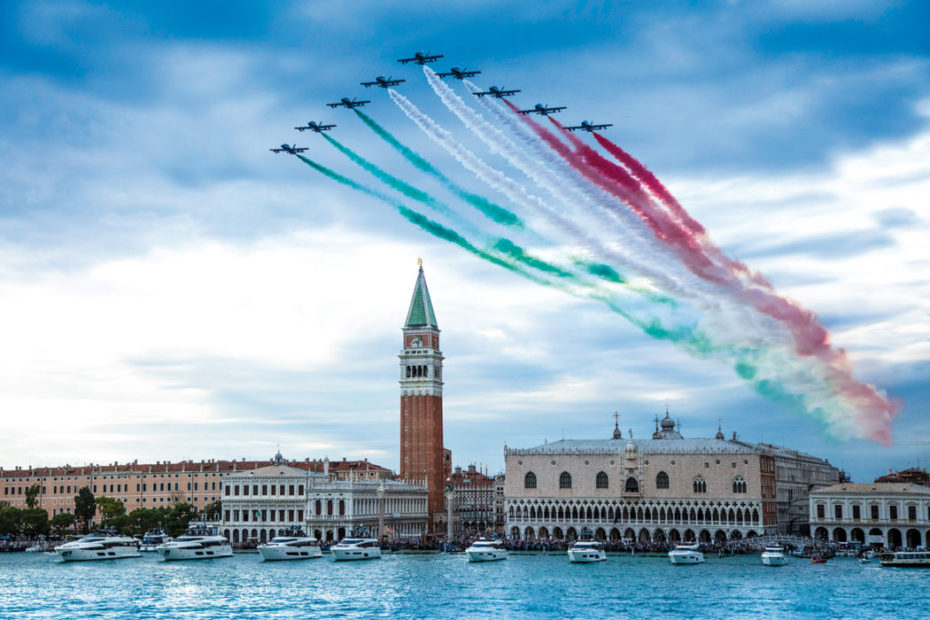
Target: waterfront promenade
[(446, 585)]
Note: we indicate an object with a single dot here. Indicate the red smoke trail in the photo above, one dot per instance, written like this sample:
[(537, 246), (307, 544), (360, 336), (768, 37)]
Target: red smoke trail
[(873, 412), (652, 183)]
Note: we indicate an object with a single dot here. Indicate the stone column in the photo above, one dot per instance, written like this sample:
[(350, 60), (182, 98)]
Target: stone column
[(450, 496), (381, 510)]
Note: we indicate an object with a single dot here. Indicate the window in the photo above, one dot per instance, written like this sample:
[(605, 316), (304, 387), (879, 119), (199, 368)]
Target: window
[(662, 480), (631, 486), (739, 485), (601, 481), (529, 480), (838, 511), (699, 485), (874, 511), (821, 511), (857, 512), (893, 512), (912, 513), (565, 480)]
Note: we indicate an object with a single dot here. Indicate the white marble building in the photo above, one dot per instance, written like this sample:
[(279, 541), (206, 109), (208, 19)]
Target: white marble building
[(890, 514), (259, 503)]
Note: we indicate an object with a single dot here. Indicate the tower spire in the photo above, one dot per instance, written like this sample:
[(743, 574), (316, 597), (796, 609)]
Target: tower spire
[(617, 433), (420, 313)]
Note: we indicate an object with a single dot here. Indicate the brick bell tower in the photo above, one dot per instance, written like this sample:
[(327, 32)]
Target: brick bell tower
[(421, 450)]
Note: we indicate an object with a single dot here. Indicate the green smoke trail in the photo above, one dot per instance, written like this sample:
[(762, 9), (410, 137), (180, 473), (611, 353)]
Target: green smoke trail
[(491, 210), (686, 337)]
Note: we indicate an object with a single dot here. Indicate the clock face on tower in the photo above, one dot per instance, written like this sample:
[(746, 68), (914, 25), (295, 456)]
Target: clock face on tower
[(416, 342)]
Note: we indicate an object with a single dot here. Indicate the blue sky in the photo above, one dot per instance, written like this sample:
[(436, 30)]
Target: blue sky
[(169, 289)]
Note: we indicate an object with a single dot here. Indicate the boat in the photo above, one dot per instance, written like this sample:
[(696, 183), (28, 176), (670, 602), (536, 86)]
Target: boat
[(356, 549), (864, 560), (484, 550), (774, 556), (291, 544), (98, 546), (201, 541), (585, 552), (689, 553), (818, 559), (907, 559), (151, 540)]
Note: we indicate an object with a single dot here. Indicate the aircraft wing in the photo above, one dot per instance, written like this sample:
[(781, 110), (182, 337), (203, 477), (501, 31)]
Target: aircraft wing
[(360, 103), (367, 84), (605, 126), (576, 128), (432, 58), (530, 111), (334, 105), (445, 75), (276, 150), (556, 109), (394, 82), (325, 127), (404, 61), (300, 150)]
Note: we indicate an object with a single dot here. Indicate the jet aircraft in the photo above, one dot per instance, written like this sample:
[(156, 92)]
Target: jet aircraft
[(543, 110), (383, 82), (287, 148), (420, 58), (589, 127), (312, 126), (459, 74), (499, 93), (348, 103)]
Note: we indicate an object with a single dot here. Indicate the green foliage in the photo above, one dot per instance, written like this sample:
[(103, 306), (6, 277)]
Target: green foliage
[(213, 510), (32, 496), (84, 508), (110, 509), (179, 517), (62, 522), (10, 521), (34, 522)]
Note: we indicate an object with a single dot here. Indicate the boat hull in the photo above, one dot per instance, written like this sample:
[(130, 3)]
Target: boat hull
[(350, 554), (774, 560), (90, 555), (485, 555), (283, 553), (586, 556), (177, 554), (690, 557)]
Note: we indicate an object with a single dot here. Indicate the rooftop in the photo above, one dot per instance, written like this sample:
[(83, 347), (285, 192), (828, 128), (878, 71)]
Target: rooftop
[(644, 446), (877, 488), (421, 312)]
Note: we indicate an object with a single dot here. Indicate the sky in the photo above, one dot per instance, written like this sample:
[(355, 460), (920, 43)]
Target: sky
[(169, 289)]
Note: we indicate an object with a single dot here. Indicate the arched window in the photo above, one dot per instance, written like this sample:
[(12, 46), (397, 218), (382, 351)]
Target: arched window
[(601, 481), (739, 485), (700, 485), (529, 480), (662, 480), (632, 486), (565, 480)]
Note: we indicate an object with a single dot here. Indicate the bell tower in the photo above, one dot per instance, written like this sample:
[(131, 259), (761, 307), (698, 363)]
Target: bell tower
[(421, 449)]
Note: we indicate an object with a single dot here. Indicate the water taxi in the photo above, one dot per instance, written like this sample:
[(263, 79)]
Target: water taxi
[(907, 559), (774, 556), (584, 552), (484, 550)]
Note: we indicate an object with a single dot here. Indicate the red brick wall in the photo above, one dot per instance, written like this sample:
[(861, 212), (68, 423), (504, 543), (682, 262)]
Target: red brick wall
[(421, 445)]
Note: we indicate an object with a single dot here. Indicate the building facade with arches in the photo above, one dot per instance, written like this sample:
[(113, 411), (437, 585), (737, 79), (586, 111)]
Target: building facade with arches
[(666, 488), (260, 503), (891, 514)]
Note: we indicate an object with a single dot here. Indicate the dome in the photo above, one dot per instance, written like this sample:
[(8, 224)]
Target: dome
[(668, 424)]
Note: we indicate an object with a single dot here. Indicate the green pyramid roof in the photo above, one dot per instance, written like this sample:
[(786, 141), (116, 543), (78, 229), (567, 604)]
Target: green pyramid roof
[(421, 312)]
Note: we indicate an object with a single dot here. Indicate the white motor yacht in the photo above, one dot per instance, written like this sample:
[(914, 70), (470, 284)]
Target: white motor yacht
[(201, 542), (356, 549), (151, 540), (583, 552), (483, 550), (774, 556), (689, 553), (98, 546), (291, 545)]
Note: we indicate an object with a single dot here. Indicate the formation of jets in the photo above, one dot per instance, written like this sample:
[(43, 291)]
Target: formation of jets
[(459, 74), (421, 58), (383, 82), (287, 148), (589, 127), (347, 103), (496, 92), (543, 110), (312, 126)]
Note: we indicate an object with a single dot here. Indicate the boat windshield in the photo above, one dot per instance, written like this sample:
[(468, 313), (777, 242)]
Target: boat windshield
[(282, 539), (351, 541)]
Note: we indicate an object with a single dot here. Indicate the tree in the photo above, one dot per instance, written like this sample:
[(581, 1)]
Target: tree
[(34, 522), (10, 520), (32, 494), (178, 519), (62, 522), (84, 508), (109, 508), (213, 510)]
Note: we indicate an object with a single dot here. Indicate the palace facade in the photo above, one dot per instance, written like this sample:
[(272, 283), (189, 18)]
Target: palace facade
[(890, 514), (666, 488), (259, 503)]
